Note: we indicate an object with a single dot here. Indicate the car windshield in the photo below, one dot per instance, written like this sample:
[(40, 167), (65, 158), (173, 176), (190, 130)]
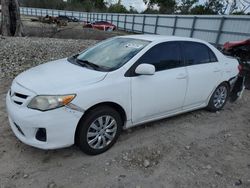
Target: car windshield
[(111, 54)]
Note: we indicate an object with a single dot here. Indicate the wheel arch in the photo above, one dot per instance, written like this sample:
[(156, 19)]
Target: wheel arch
[(113, 105)]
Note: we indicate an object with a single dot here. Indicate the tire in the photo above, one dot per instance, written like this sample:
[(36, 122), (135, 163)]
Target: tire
[(219, 98), (99, 130)]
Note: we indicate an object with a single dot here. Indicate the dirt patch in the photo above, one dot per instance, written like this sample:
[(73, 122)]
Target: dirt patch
[(71, 31), (197, 149)]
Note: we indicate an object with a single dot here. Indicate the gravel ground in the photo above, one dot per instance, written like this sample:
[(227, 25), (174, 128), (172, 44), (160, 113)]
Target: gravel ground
[(197, 149), (18, 54)]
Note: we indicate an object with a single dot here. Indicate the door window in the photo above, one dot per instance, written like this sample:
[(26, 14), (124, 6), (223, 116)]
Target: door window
[(197, 53), (163, 56)]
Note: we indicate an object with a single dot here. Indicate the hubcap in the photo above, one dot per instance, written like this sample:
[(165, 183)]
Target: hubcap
[(101, 132), (220, 96)]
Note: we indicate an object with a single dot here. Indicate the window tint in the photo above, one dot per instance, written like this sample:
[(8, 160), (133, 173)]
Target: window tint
[(213, 58), (163, 56), (197, 53)]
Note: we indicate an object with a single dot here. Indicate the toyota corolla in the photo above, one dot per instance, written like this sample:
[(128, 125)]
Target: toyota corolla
[(89, 98)]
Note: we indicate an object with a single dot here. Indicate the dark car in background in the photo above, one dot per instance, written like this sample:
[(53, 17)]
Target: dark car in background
[(68, 18)]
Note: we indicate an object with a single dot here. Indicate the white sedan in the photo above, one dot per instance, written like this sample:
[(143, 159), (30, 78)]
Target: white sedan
[(87, 99)]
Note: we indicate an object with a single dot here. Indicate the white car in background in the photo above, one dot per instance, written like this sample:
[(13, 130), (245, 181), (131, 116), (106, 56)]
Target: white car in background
[(121, 82)]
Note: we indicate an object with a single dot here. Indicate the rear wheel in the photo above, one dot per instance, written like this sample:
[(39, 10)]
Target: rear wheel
[(99, 130), (218, 98)]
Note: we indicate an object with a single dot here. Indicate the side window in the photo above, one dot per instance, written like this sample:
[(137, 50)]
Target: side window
[(197, 53), (213, 58), (163, 56)]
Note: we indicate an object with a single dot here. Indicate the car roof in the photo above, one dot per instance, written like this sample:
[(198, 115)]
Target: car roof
[(161, 38)]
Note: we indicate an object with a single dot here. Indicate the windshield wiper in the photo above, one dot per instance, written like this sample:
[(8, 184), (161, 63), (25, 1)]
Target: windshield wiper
[(86, 62)]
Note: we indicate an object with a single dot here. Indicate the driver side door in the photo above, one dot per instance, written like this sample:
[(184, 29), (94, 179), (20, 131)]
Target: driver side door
[(155, 96)]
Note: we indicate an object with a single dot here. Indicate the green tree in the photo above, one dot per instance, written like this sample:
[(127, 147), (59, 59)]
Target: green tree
[(198, 10), (185, 6), (117, 8), (132, 10), (210, 7), (165, 6)]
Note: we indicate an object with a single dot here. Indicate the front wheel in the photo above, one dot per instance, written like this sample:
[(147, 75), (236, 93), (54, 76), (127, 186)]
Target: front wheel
[(218, 98), (99, 130)]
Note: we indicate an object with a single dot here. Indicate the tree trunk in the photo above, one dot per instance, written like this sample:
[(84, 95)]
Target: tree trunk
[(11, 19)]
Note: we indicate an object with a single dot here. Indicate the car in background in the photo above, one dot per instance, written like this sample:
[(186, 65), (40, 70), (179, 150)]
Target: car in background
[(101, 25), (240, 50), (87, 99), (68, 18)]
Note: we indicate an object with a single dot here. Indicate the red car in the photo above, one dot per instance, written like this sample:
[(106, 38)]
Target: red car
[(101, 25), (241, 50)]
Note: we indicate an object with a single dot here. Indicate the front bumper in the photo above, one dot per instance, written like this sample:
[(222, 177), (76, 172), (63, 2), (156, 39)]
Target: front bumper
[(60, 125)]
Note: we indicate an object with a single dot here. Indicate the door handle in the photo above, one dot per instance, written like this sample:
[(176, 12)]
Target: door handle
[(181, 76)]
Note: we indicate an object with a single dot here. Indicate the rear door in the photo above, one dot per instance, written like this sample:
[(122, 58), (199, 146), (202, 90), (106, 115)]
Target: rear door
[(204, 73)]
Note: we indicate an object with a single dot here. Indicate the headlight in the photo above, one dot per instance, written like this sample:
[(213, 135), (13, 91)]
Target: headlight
[(47, 102)]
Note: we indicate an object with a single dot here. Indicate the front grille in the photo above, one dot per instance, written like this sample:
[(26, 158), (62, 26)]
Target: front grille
[(18, 98), (21, 95), (19, 103)]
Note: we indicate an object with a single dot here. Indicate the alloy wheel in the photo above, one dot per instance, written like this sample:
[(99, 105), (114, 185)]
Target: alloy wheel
[(101, 132), (220, 96)]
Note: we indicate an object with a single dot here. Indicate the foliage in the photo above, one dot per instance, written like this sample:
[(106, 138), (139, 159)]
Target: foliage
[(153, 6), (117, 8), (185, 6), (165, 6), (81, 5)]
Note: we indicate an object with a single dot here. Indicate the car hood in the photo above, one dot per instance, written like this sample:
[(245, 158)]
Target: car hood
[(58, 76)]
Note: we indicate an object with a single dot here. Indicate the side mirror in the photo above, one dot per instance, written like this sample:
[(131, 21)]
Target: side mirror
[(145, 69)]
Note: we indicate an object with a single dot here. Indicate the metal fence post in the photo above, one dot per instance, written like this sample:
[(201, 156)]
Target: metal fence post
[(156, 23), (220, 30), (111, 18), (143, 23), (193, 27), (118, 19), (133, 23), (125, 22), (175, 23)]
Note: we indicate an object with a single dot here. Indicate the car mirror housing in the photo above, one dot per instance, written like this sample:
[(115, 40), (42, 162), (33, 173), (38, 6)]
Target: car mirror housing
[(145, 69)]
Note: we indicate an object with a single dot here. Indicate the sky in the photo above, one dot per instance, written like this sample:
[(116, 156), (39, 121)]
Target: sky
[(137, 4), (140, 5)]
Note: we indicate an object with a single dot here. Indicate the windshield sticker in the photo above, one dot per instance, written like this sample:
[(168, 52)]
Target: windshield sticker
[(133, 45)]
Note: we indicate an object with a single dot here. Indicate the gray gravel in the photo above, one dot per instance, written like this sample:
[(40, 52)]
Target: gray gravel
[(19, 54)]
